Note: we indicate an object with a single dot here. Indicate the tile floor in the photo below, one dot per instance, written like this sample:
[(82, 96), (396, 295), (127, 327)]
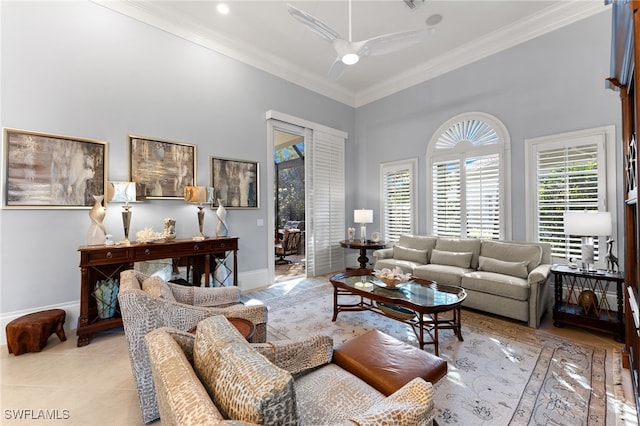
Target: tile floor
[(93, 385)]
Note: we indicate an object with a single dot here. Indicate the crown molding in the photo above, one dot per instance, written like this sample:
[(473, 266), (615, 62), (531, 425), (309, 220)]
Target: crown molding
[(549, 19), (153, 14)]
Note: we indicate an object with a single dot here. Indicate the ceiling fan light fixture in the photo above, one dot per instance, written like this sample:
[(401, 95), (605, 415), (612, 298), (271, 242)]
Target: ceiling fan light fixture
[(350, 59)]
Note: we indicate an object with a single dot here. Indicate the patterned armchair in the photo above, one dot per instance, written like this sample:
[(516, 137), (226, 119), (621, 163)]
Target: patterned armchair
[(148, 303), (217, 378)]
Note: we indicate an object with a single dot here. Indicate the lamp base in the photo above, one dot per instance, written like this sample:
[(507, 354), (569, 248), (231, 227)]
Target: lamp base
[(363, 233), (199, 238), (588, 262), (125, 242)]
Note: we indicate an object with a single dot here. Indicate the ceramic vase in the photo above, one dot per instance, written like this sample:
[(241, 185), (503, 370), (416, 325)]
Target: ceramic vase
[(97, 233), (106, 293), (221, 227)]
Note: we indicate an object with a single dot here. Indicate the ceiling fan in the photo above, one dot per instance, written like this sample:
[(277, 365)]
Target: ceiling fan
[(350, 52)]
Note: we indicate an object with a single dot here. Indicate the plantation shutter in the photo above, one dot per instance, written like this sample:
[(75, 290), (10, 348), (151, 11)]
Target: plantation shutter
[(566, 176), (446, 198), (325, 198), (397, 200), (483, 197)]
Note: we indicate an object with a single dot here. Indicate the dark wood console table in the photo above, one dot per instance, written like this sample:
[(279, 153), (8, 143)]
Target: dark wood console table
[(106, 262), (581, 299)]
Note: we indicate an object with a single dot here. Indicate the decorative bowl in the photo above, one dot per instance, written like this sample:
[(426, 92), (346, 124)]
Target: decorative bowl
[(391, 282), (391, 278)]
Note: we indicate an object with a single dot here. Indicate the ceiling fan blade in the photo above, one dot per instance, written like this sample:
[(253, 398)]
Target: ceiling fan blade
[(389, 43), (314, 24), (337, 69)]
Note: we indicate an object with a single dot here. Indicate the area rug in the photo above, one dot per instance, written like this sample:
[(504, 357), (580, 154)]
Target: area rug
[(503, 373)]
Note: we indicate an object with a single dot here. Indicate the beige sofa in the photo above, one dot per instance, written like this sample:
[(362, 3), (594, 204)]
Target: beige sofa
[(507, 278), (216, 377)]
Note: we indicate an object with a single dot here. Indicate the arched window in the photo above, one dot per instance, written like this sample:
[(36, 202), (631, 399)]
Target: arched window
[(467, 186)]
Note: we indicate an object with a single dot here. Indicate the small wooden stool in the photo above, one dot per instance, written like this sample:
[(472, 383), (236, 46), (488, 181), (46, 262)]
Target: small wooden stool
[(30, 333)]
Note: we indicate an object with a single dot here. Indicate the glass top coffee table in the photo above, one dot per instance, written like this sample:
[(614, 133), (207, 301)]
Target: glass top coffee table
[(417, 302)]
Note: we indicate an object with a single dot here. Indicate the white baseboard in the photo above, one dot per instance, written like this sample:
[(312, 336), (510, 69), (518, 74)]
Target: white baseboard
[(70, 324)]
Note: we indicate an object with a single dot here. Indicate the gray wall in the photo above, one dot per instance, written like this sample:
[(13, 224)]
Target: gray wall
[(552, 84), (78, 69)]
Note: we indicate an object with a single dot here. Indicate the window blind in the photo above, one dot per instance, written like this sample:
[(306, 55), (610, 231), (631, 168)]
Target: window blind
[(446, 207), (397, 200), (566, 176), (483, 197), (325, 198)]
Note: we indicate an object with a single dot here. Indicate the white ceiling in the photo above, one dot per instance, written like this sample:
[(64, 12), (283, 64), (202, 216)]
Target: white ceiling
[(263, 34)]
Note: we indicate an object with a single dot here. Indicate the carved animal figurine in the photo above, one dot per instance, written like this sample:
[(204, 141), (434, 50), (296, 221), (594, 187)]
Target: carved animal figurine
[(612, 260)]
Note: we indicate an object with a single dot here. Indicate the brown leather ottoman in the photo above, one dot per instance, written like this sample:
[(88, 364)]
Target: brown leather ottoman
[(387, 363), (30, 333)]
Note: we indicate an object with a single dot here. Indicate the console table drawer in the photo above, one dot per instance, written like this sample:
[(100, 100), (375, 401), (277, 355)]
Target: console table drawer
[(104, 256), (222, 245)]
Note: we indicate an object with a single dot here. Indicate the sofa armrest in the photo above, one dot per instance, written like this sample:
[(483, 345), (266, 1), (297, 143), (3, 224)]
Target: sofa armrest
[(296, 356), (412, 404), (385, 253), (539, 274)]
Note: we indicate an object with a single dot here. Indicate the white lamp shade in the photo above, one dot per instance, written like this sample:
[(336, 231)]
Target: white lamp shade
[(123, 192), (363, 216), (587, 223)]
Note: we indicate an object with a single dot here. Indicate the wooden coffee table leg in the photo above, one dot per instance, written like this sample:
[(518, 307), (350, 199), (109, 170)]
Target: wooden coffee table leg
[(457, 321), (335, 303), (435, 334)]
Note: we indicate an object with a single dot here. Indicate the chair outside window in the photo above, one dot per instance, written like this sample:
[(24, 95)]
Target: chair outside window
[(288, 245)]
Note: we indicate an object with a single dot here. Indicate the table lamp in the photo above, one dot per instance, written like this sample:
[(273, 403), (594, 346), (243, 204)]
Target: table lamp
[(125, 192), (199, 195), (363, 217), (587, 224)]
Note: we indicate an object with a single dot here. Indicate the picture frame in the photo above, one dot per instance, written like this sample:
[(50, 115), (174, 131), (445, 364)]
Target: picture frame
[(235, 182), (49, 171), (163, 167)]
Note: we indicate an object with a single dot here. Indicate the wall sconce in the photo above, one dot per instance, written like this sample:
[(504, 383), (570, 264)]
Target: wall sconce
[(363, 217), (125, 192), (587, 224), (199, 195)]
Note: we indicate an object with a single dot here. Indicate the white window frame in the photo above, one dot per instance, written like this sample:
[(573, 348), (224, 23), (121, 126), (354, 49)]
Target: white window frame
[(411, 165), (465, 150), (604, 137)]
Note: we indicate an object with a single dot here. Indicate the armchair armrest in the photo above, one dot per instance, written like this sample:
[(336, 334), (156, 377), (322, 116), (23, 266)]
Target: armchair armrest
[(205, 296), (385, 253), (297, 355), (539, 274), (412, 403)]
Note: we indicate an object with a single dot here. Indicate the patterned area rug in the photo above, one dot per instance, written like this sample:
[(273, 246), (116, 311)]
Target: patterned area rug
[(501, 374)]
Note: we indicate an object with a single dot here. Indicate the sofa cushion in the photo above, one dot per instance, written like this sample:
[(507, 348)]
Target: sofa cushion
[(451, 258), (410, 254), (467, 245), (406, 266), (517, 269), (157, 287), (242, 383), (494, 283), (512, 252), (443, 274), (419, 242)]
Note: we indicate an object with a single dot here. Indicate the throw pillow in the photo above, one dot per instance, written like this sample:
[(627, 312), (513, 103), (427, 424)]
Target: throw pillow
[(412, 255), (461, 245), (157, 287), (451, 258), (513, 252), (515, 269), (242, 383)]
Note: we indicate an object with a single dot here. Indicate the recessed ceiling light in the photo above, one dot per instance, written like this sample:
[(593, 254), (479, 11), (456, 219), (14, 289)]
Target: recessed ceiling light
[(222, 9), (434, 19)]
